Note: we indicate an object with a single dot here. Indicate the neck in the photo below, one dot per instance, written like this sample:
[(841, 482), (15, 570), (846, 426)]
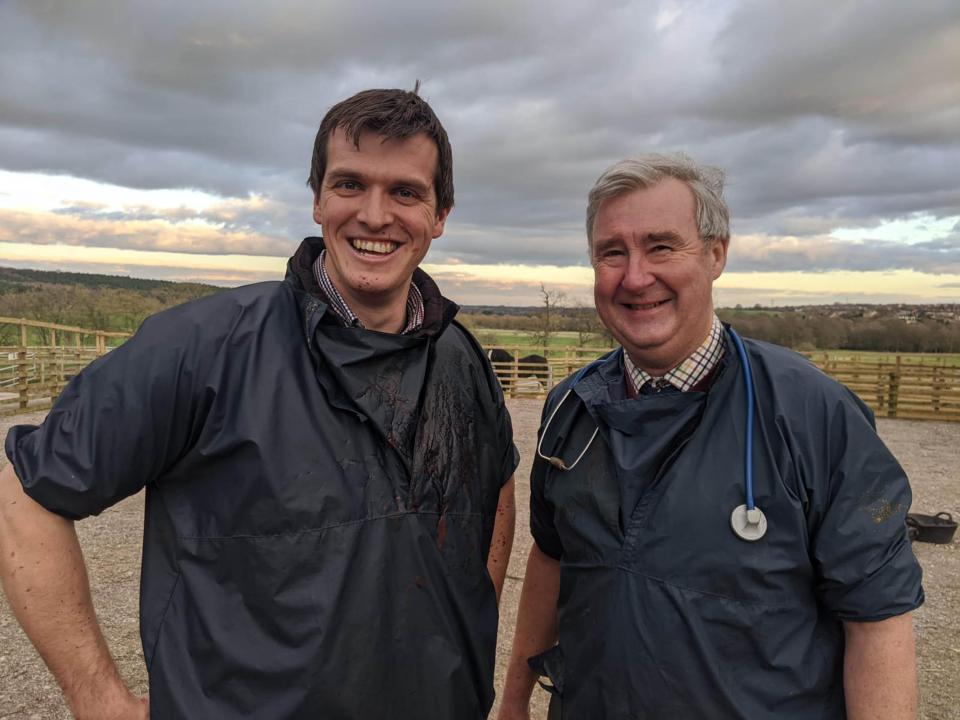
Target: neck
[(388, 317), (383, 311), (659, 364)]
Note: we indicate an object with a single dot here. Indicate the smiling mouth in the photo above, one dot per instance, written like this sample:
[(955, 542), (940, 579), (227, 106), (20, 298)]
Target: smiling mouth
[(374, 247), (645, 306)]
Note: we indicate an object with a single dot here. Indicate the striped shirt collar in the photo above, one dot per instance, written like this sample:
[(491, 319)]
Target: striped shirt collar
[(688, 373), (349, 318)]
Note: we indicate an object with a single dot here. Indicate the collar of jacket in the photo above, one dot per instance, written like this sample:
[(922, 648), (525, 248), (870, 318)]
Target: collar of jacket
[(609, 382), (438, 311)]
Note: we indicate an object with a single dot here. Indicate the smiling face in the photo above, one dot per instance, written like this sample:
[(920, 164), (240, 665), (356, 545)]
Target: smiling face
[(653, 275), (378, 210)]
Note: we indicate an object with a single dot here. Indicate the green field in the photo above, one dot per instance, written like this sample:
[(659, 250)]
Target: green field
[(563, 341), (527, 342)]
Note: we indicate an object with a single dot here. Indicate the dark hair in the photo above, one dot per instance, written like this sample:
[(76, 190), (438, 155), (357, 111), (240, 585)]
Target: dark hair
[(393, 114)]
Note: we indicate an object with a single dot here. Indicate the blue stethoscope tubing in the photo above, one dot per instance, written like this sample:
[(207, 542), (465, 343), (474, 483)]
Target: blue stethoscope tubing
[(748, 443), (747, 521)]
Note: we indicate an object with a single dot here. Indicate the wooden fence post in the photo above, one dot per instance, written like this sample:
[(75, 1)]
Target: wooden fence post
[(938, 383), (22, 376), (881, 395), (893, 392)]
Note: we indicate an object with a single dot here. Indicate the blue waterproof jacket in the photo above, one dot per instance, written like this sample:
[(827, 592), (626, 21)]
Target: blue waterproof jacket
[(663, 611), (320, 503)]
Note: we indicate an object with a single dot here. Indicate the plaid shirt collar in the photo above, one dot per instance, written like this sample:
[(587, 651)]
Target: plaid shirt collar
[(688, 373), (350, 319)]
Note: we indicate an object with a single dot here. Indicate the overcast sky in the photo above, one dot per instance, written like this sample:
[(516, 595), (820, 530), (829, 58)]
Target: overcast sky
[(173, 140)]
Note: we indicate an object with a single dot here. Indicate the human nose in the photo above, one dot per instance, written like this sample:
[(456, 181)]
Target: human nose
[(638, 275), (374, 210)]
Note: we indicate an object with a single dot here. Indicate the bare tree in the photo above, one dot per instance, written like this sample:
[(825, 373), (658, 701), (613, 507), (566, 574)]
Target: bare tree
[(547, 318), (588, 327)]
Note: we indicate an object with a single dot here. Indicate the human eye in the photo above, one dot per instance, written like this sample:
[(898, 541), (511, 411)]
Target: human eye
[(348, 185), (407, 194), (610, 254)]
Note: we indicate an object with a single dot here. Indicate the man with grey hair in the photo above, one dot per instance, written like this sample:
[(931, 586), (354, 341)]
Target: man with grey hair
[(719, 532)]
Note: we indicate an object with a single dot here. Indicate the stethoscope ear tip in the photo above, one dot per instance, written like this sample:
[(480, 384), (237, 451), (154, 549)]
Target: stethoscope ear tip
[(748, 524)]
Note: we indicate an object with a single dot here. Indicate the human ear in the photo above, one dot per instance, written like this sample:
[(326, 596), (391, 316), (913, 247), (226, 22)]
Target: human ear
[(440, 223), (718, 250)]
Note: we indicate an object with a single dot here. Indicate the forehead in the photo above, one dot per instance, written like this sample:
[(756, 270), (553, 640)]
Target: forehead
[(416, 155), (668, 205)]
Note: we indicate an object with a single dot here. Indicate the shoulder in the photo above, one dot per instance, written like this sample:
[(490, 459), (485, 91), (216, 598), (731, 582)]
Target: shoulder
[(597, 376), (192, 336), (457, 346), (215, 318), (456, 335), (788, 368), (797, 390), (217, 309)]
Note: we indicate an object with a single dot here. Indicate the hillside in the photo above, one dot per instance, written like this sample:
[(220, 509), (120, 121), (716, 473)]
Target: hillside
[(102, 302)]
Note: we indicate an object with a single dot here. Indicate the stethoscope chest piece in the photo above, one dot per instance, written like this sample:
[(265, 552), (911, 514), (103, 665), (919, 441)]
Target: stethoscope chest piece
[(749, 525)]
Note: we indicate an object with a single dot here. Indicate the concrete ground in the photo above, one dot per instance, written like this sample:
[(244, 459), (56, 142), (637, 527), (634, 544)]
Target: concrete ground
[(929, 451)]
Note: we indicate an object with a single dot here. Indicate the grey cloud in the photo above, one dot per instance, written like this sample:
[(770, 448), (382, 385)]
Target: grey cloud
[(936, 257), (823, 114), (883, 66), (494, 245)]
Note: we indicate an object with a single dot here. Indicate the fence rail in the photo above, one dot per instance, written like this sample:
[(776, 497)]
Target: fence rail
[(32, 376), (896, 389), (34, 372)]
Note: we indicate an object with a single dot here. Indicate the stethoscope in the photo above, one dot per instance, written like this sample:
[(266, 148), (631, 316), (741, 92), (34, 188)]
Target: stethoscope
[(747, 521)]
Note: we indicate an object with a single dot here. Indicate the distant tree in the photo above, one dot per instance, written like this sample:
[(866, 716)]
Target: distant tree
[(547, 319), (829, 333), (583, 320)]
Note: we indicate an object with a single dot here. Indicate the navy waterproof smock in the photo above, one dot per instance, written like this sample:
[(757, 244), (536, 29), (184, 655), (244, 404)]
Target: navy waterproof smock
[(663, 611), (320, 503)]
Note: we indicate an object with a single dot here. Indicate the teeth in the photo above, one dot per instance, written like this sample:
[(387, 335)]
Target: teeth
[(382, 247), (646, 306)]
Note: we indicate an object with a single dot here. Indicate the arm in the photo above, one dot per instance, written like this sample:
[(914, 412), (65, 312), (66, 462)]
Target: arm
[(45, 581), (880, 669), (502, 542), (536, 631)]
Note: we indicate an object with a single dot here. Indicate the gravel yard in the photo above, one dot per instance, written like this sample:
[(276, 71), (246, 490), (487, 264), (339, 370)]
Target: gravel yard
[(929, 451)]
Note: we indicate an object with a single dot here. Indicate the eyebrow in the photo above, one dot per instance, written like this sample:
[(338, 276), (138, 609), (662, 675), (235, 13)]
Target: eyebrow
[(337, 175), (606, 242), (665, 236)]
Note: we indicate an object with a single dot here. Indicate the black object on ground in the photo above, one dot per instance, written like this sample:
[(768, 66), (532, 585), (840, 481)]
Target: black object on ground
[(937, 528)]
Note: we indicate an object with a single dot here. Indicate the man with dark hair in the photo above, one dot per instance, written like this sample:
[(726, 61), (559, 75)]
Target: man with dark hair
[(719, 532), (328, 464)]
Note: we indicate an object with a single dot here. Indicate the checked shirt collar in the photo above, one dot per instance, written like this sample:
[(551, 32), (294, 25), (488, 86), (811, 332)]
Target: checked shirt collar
[(350, 319), (688, 373)]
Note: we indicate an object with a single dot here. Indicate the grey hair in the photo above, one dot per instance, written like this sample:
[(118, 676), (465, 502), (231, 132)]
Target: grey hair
[(644, 171)]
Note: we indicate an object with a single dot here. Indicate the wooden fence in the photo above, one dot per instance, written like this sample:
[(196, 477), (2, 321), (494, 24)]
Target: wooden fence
[(892, 389), (895, 389), (35, 371)]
